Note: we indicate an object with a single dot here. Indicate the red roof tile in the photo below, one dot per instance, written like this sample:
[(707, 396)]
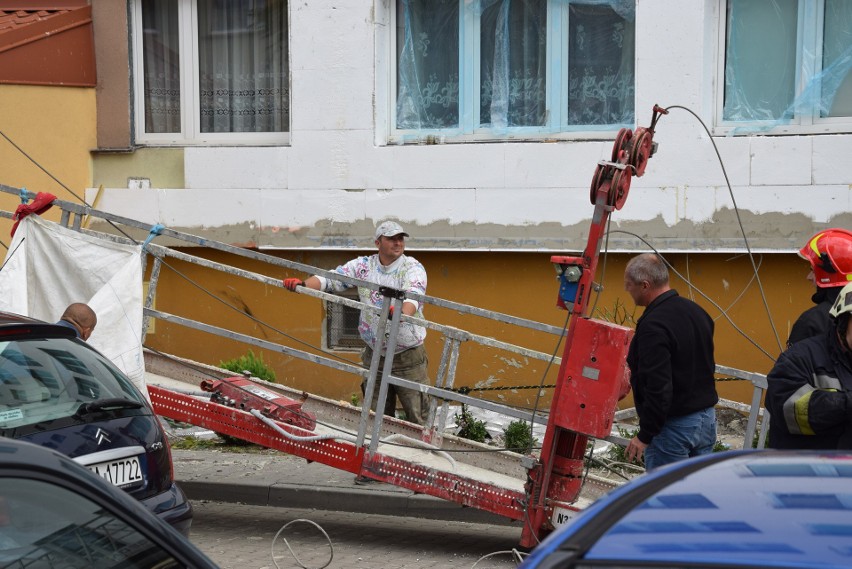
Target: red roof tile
[(14, 19)]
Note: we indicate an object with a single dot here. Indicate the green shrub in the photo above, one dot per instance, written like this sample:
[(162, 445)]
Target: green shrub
[(519, 437), (471, 428), (252, 364)]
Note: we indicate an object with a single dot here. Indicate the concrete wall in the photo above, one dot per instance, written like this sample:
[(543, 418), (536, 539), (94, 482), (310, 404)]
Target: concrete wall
[(339, 175)]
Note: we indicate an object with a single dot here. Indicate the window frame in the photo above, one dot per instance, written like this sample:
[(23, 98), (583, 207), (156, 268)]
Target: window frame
[(353, 343), (556, 93), (809, 54), (190, 134)]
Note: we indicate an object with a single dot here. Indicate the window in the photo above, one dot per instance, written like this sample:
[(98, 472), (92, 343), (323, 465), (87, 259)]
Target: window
[(211, 71), (341, 324), (788, 62), (512, 68), (49, 525)]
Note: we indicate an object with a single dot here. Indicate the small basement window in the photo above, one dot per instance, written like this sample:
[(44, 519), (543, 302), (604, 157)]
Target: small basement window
[(341, 325)]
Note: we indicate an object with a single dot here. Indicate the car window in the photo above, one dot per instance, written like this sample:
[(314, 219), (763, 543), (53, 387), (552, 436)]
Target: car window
[(47, 379), (43, 526)]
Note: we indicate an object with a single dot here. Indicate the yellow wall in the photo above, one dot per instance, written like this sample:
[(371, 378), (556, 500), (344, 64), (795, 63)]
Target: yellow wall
[(519, 284), (162, 166), (55, 126)]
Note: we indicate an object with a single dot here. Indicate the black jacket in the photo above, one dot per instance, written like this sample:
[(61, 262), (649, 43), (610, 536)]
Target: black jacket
[(809, 397), (815, 320), (671, 362)]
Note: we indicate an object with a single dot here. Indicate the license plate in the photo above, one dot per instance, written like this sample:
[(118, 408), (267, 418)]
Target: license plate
[(123, 472)]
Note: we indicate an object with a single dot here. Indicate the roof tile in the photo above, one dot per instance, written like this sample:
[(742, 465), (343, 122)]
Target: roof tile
[(13, 19)]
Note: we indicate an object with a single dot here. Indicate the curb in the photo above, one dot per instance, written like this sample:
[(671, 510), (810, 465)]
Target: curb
[(288, 482)]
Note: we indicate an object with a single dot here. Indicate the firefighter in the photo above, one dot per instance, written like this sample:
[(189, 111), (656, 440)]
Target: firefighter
[(809, 397), (829, 253)]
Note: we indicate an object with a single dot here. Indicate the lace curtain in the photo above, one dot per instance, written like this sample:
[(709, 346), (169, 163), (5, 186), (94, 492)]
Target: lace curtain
[(242, 66), (161, 65), (601, 79), (512, 64)]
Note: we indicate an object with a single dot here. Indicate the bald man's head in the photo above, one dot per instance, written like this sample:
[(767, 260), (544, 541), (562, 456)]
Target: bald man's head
[(82, 317)]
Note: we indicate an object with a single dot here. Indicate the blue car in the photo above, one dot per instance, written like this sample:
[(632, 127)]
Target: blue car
[(734, 509), (56, 513), (58, 392)]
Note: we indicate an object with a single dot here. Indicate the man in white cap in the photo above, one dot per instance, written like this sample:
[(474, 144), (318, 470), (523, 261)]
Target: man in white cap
[(389, 267)]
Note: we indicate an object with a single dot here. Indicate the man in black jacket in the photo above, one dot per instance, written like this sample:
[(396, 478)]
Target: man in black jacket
[(671, 369), (809, 397)]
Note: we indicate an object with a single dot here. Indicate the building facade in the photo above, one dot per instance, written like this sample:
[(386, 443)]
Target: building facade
[(294, 128)]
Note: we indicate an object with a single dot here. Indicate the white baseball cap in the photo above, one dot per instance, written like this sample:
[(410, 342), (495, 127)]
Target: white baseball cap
[(389, 229)]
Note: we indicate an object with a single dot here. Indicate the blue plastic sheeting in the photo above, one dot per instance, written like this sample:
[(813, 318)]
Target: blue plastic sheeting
[(498, 52), (784, 62)]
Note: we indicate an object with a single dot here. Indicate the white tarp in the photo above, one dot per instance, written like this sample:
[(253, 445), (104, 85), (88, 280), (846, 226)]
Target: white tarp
[(49, 266)]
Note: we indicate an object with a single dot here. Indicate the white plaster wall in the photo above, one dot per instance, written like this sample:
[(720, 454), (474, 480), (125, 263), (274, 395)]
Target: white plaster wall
[(338, 177)]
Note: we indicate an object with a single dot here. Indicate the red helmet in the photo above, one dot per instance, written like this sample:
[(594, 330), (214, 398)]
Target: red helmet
[(830, 255)]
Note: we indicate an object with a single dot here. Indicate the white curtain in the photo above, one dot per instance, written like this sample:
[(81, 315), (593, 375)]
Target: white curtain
[(513, 63), (161, 65), (513, 59), (601, 53), (760, 62), (242, 46), (242, 65), (427, 64)]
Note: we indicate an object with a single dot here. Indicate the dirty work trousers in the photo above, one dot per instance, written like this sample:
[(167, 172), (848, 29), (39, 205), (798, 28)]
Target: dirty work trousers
[(408, 364)]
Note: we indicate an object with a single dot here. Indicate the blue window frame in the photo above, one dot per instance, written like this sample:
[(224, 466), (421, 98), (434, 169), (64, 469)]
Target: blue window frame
[(513, 68), (787, 65)]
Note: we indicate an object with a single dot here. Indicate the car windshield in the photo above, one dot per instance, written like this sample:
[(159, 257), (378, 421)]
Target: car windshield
[(47, 379), (45, 526)]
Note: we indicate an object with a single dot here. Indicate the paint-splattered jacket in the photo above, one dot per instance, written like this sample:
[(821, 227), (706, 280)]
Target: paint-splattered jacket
[(809, 397), (406, 274)]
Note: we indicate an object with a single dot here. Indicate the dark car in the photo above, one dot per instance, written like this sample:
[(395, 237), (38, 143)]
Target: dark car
[(58, 392), (734, 509), (56, 513)]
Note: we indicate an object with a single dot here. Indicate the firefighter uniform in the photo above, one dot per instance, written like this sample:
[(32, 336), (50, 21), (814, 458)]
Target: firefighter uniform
[(809, 397)]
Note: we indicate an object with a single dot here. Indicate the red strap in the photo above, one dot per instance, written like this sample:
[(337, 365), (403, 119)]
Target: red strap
[(42, 202)]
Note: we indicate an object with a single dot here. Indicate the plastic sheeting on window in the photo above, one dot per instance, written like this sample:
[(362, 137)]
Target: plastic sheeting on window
[(765, 59), (512, 64)]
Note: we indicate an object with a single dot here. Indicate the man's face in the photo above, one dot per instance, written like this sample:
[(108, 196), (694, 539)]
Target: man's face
[(390, 248), (637, 291), (812, 278)]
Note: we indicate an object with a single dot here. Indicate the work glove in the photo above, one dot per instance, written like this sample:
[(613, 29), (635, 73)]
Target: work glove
[(292, 283)]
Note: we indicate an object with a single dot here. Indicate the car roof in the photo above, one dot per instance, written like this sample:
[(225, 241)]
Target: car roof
[(24, 326), (736, 508)]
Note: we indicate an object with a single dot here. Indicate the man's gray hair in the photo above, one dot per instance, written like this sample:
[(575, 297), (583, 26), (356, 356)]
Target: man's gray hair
[(647, 267)]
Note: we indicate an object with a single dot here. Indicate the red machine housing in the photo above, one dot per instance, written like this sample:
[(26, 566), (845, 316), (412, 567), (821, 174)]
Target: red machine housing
[(247, 395), (595, 377)]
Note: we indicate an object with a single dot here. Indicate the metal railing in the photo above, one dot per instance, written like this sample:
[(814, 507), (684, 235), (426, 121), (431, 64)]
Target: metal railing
[(73, 216)]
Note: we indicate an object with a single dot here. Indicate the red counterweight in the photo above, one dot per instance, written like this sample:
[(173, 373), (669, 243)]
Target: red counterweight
[(246, 395), (594, 378)]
